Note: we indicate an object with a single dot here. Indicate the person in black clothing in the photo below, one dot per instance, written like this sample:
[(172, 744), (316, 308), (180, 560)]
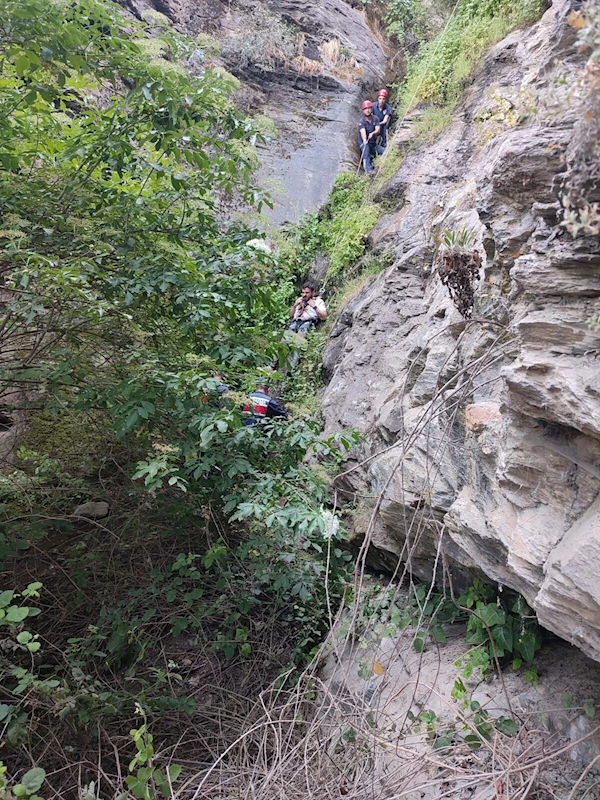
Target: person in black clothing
[(261, 406), (382, 112), (368, 130)]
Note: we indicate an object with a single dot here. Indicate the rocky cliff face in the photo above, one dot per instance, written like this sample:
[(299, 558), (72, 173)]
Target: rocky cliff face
[(313, 97), (483, 434)]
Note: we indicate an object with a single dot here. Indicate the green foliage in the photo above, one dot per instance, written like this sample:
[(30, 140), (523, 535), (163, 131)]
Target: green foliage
[(460, 241), (388, 165), (499, 629), (126, 274), (265, 126), (209, 45), (427, 611), (514, 631), (433, 121), (437, 74), (26, 788), (306, 380), (339, 230), (148, 782), (18, 646), (125, 291), (403, 16), (477, 727), (264, 42), (348, 219)]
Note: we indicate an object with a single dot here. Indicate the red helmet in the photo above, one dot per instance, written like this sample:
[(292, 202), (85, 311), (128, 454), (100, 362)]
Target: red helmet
[(367, 104), (383, 93)]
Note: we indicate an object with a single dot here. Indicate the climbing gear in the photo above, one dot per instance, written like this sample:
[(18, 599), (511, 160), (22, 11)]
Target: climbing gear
[(383, 93), (367, 104)]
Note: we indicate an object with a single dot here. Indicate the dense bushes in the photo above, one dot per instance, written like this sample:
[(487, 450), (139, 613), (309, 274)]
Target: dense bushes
[(124, 294), (339, 230)]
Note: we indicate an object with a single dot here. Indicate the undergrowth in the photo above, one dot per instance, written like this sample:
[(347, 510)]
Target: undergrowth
[(338, 230), (437, 74), (502, 628)]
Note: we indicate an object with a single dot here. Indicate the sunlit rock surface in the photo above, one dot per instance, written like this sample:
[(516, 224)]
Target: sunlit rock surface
[(483, 435)]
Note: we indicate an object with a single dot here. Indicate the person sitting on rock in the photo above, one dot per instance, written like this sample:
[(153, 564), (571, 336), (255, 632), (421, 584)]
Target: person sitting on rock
[(260, 406), (307, 311), (368, 130), (382, 112)]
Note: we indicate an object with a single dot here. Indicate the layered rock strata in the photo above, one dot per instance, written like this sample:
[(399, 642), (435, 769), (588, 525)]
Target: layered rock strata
[(483, 434), (314, 100)]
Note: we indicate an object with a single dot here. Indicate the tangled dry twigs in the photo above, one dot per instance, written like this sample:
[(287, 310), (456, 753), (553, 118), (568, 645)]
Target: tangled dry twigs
[(334, 735)]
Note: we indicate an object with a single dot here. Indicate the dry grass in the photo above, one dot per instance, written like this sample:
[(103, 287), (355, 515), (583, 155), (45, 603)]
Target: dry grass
[(339, 61)]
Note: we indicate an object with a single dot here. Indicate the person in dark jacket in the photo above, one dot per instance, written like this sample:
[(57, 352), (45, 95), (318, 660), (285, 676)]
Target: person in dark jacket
[(261, 406), (382, 112), (368, 130)]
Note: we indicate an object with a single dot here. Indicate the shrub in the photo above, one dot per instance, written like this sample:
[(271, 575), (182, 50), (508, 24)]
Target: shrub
[(209, 46)]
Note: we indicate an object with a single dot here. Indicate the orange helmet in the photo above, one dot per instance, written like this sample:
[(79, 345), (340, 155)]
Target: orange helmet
[(367, 104), (383, 93)]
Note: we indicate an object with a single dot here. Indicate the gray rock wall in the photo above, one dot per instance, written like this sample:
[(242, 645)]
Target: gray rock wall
[(315, 106), (483, 435)]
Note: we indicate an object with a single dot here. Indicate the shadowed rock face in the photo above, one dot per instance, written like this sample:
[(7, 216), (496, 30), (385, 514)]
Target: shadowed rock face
[(315, 114), (484, 434)]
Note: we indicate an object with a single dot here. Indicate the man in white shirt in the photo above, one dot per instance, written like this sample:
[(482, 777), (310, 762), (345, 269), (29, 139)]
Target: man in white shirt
[(307, 311)]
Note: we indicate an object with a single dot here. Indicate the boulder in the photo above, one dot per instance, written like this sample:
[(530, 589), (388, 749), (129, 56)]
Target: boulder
[(92, 510)]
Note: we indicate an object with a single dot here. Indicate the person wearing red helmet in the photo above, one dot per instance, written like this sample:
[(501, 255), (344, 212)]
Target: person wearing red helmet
[(368, 130), (382, 112)]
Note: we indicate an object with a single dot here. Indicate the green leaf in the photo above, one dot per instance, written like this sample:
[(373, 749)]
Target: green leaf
[(506, 725), (444, 741), (419, 643), (473, 740), (17, 614), (503, 637), (33, 779), (527, 645), (491, 614), (438, 634), (6, 597), (589, 708), (179, 625), (21, 65), (161, 783)]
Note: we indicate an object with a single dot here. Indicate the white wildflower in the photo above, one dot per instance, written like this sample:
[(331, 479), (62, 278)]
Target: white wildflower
[(332, 524)]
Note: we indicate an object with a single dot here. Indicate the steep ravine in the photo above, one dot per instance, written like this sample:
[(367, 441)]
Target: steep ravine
[(482, 436)]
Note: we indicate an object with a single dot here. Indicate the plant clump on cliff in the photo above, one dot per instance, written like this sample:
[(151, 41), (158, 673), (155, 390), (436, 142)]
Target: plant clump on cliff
[(438, 72)]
